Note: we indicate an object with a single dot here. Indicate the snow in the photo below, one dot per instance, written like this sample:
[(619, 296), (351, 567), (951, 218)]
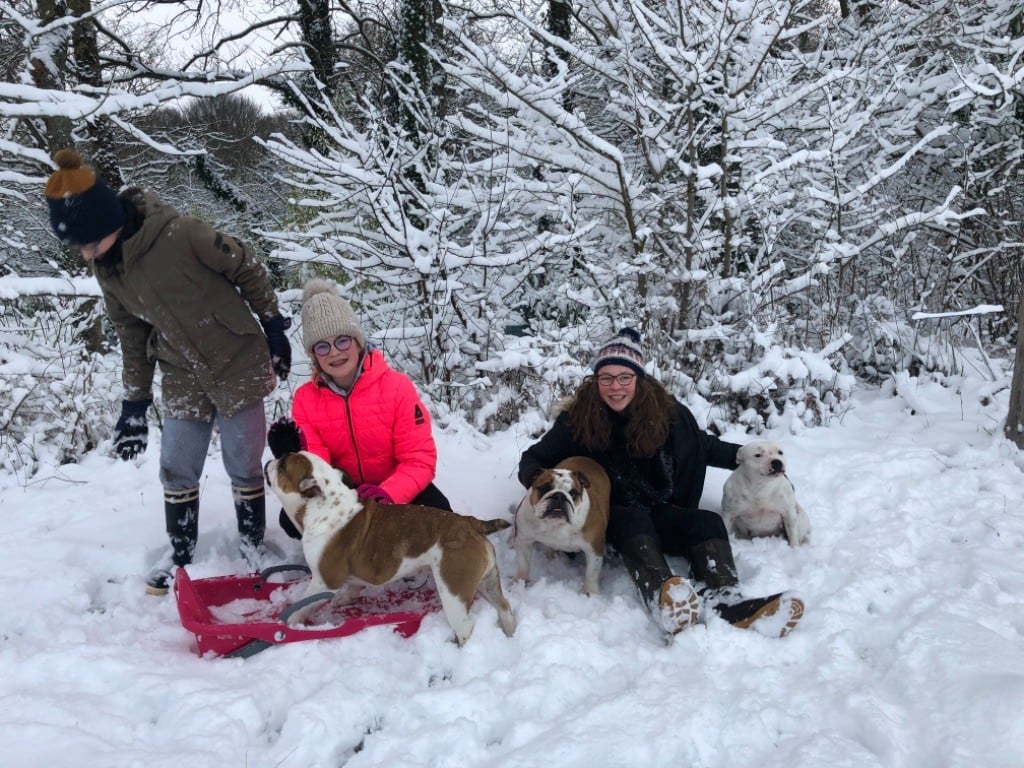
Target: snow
[(910, 653)]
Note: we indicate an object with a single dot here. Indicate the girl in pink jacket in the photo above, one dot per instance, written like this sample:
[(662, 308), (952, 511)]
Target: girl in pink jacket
[(357, 413)]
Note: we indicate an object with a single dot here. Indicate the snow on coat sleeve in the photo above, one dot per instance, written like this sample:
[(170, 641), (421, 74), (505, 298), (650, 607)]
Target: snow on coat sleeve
[(231, 258), (413, 441), (136, 366)]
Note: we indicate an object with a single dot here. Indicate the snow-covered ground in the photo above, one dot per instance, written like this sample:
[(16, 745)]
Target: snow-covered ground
[(911, 651)]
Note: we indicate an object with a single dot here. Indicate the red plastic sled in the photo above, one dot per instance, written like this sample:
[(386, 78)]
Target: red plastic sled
[(239, 616)]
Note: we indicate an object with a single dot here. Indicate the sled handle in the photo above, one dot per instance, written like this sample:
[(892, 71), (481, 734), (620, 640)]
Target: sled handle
[(283, 568), (249, 649), (288, 612), (256, 645)]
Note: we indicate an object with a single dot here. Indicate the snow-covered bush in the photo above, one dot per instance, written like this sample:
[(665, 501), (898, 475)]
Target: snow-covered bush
[(766, 384), (55, 395)]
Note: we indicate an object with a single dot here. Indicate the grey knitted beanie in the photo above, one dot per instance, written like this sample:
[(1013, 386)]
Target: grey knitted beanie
[(325, 315)]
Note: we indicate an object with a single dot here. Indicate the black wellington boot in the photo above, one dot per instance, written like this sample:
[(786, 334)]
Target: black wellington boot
[(181, 516), (712, 562), (251, 512), (671, 599)]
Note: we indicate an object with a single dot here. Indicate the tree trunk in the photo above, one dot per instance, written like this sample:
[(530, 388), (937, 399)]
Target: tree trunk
[(49, 66), (420, 31), (318, 37), (87, 69), (863, 8), (560, 25), (48, 63), (321, 84), (1014, 429)]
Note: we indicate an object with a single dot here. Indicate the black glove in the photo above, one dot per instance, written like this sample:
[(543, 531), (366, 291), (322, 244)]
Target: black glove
[(131, 434), (280, 347), (284, 436)]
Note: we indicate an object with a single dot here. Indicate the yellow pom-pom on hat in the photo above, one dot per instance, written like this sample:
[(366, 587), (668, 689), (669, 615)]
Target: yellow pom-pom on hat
[(83, 209)]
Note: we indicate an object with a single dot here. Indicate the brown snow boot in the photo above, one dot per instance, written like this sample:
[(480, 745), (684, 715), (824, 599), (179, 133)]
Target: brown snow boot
[(774, 616), (712, 563), (671, 599), (678, 605)]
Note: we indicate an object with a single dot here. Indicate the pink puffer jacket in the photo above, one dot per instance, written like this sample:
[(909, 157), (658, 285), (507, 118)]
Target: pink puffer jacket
[(379, 434)]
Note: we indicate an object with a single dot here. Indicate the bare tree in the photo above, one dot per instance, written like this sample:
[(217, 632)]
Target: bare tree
[(48, 59), (1014, 429)]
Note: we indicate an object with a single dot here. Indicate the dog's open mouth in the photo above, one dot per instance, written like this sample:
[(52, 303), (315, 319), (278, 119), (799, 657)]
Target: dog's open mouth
[(555, 509)]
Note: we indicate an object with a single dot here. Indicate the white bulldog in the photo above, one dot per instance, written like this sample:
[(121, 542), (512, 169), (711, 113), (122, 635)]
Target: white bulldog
[(758, 499)]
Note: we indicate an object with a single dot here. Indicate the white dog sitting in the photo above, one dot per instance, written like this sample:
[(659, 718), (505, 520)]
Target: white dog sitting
[(758, 498)]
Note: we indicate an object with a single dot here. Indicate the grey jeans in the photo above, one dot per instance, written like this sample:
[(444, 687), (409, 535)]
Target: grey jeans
[(184, 443)]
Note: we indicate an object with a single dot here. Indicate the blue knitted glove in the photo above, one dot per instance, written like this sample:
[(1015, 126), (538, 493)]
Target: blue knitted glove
[(280, 347), (131, 433)]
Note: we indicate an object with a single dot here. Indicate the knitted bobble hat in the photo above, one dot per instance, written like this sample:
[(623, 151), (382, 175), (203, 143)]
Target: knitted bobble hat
[(622, 349), (325, 315), (83, 209)]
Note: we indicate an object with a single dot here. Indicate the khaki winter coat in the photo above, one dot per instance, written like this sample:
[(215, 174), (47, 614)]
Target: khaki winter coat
[(183, 296)]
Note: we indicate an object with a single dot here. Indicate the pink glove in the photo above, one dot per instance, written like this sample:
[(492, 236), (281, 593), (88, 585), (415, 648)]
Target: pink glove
[(370, 491)]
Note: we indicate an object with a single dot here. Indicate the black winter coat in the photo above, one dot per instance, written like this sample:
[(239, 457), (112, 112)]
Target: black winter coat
[(689, 450)]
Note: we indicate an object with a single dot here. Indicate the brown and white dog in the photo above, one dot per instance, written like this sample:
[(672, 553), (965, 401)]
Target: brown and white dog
[(565, 509), (758, 499), (348, 539)]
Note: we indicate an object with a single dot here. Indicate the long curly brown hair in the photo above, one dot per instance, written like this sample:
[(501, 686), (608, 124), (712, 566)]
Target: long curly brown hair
[(649, 417)]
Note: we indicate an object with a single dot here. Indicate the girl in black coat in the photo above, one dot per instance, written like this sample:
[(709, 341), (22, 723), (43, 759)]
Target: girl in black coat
[(657, 458)]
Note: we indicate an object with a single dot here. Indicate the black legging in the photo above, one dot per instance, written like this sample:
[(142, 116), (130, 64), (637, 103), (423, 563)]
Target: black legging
[(676, 528)]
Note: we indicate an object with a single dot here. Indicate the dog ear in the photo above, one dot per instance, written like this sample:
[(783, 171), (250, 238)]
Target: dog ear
[(309, 488), (584, 480)]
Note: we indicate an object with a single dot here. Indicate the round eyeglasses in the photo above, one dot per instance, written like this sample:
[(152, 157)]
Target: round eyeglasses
[(340, 343), (623, 380)]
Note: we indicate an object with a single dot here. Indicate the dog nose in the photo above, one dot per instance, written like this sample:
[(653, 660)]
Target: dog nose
[(778, 466)]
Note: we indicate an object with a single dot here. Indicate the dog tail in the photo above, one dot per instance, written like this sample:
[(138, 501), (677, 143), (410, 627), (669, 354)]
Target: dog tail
[(487, 527)]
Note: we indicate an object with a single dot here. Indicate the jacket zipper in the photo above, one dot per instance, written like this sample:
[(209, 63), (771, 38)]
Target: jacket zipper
[(352, 437)]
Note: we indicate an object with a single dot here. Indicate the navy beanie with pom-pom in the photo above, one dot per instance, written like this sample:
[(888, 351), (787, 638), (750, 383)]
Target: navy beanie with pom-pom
[(83, 209), (622, 349)]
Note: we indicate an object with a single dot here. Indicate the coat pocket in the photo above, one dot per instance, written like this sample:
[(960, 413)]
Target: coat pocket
[(239, 325)]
